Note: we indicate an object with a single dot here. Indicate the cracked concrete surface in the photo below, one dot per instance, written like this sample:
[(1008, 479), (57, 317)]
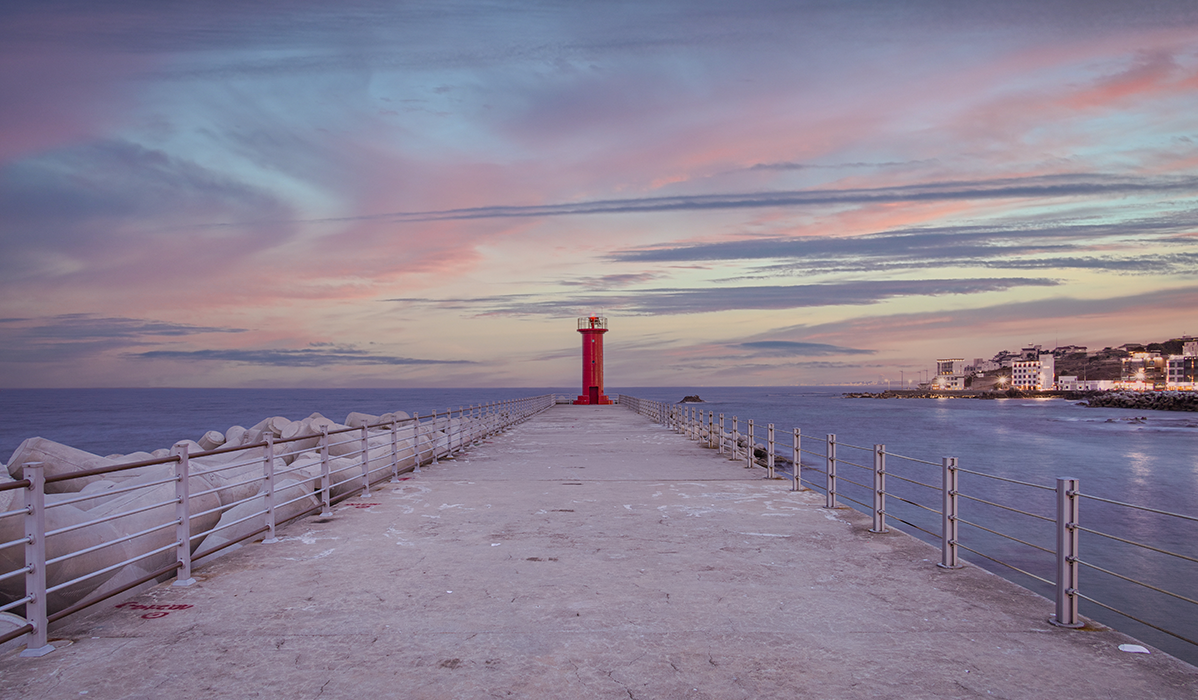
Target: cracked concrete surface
[(586, 554)]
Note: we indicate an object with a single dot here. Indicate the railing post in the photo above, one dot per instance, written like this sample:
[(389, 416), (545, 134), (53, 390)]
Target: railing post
[(721, 438), (948, 527), (432, 449), (325, 510), (796, 478), (182, 515), (365, 463), (416, 439), (770, 448), (1067, 554), (879, 489), (750, 459), (394, 451), (735, 439), (830, 472), (268, 464), (35, 560)]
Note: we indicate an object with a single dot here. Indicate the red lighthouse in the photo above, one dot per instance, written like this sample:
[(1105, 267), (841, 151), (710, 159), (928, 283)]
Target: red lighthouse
[(592, 329)]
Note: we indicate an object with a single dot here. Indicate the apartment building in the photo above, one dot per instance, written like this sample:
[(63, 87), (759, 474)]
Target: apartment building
[(1034, 375), (950, 374)]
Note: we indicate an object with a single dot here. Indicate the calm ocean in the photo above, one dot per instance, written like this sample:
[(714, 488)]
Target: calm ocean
[(1142, 457)]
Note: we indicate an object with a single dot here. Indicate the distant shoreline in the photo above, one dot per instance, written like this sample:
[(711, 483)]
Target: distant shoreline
[(1140, 400)]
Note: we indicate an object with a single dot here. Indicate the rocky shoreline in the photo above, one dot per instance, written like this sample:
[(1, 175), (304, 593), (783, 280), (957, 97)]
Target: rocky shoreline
[(1146, 400), (1139, 400)]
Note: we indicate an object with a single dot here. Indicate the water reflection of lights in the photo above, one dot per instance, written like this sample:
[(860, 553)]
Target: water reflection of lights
[(1140, 465)]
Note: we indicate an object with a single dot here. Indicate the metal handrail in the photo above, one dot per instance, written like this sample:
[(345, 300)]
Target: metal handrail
[(1067, 558), (445, 435)]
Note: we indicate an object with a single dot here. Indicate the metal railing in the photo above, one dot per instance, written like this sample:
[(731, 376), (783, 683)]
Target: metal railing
[(888, 477), (164, 515)]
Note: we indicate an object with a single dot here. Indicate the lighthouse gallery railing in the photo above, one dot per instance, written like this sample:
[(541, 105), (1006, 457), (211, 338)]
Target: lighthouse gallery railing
[(826, 464)]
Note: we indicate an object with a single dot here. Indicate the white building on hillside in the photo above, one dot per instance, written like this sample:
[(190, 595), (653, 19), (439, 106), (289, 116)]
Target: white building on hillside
[(1181, 372), (1034, 375), (950, 374)]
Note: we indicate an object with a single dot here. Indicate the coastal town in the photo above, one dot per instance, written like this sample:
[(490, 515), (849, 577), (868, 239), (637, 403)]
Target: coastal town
[(1168, 366), (1153, 376)]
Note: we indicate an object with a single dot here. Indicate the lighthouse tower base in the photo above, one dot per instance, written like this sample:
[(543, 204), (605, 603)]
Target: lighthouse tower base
[(595, 398)]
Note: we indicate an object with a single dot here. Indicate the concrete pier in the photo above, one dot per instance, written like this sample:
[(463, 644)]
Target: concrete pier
[(587, 553)]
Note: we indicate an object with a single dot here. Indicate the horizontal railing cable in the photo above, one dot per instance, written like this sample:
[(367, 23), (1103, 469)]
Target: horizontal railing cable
[(841, 496), (1137, 544), (1012, 567), (1005, 536), (913, 459), (900, 477), (1006, 479), (100, 471), (1138, 583), (1136, 507), (108, 518), (10, 606), (14, 573), (911, 524), (917, 505), (1137, 619), (1013, 510), (114, 491), (112, 567), (102, 545), (855, 483)]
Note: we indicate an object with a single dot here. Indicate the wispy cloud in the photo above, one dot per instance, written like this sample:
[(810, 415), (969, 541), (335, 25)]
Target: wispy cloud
[(792, 348), (1038, 187), (70, 327), (671, 301), (82, 337), (785, 166), (303, 357), (1080, 312), (1116, 246), (611, 281)]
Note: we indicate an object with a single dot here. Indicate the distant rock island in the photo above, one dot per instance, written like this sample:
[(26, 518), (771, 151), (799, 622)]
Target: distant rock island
[(693, 398)]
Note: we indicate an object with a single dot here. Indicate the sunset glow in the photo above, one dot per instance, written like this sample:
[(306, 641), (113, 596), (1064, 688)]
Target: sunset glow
[(224, 194)]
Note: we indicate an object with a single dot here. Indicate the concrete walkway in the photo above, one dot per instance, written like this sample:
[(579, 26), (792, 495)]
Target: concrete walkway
[(587, 554)]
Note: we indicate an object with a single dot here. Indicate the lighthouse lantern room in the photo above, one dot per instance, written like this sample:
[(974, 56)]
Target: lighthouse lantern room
[(592, 329)]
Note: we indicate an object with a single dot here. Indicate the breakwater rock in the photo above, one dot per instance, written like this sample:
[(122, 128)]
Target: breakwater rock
[(1146, 400), (114, 524), (925, 394)]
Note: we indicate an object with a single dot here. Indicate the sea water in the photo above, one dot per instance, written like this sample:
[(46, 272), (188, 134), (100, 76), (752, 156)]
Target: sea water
[(1148, 458)]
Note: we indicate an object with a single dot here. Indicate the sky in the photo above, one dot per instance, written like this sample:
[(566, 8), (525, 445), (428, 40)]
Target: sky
[(427, 194)]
